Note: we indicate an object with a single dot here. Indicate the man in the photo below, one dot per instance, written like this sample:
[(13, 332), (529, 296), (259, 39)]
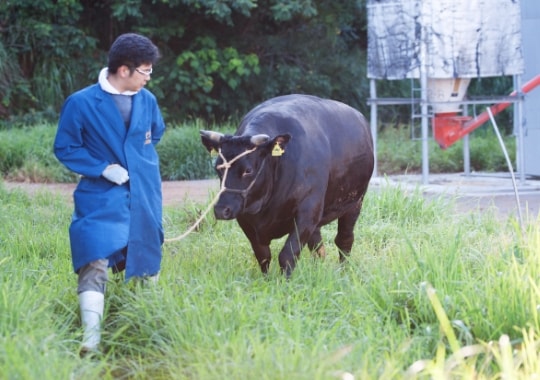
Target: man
[(107, 133)]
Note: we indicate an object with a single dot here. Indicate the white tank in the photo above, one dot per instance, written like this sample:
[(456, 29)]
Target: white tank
[(445, 92), (463, 38)]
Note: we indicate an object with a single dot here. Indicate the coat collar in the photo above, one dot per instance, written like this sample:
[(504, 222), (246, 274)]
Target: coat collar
[(107, 86)]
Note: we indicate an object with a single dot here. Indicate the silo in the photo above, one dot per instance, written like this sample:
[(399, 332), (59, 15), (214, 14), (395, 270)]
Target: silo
[(444, 44)]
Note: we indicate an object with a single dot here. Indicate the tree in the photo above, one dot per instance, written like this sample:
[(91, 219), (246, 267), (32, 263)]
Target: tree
[(220, 58), (45, 54)]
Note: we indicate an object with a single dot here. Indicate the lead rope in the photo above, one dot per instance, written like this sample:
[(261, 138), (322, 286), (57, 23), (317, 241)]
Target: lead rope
[(225, 165)]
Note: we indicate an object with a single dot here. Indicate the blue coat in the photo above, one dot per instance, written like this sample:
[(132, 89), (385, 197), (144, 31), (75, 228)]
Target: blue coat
[(109, 218)]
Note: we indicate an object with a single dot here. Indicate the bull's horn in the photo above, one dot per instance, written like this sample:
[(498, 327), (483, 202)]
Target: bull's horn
[(259, 139), (211, 135)]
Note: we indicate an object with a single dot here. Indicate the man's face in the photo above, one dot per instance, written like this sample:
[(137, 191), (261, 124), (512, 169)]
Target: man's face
[(139, 77)]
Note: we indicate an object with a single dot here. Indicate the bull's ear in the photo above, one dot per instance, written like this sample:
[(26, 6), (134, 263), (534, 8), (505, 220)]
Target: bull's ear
[(211, 139), (278, 144)]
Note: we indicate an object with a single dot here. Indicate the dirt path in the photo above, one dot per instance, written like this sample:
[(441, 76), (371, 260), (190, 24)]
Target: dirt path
[(174, 192), (472, 194)]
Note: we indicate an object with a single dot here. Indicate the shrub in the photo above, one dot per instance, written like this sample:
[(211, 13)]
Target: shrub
[(182, 155), (26, 154), (399, 153)]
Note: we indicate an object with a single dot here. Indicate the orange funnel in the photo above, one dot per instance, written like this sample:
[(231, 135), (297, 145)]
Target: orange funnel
[(449, 127)]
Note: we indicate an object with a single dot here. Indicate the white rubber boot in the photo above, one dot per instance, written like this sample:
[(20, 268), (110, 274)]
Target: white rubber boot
[(92, 304), (151, 280), (146, 282)]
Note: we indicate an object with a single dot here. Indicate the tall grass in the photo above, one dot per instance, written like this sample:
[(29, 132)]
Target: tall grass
[(425, 294), (26, 154), (182, 155), (398, 152)]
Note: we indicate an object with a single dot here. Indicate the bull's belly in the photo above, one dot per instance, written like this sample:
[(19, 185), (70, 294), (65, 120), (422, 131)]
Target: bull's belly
[(265, 229), (330, 217), (338, 209)]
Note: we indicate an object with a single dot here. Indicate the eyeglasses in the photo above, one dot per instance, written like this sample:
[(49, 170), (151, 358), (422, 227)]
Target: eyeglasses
[(144, 72)]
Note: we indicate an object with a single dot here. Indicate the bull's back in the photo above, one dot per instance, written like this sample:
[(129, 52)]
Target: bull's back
[(331, 146)]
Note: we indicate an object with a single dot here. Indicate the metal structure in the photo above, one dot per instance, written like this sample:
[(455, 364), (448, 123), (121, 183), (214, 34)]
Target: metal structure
[(530, 25), (443, 44)]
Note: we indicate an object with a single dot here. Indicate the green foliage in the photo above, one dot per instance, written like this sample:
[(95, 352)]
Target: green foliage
[(287, 10), (399, 153), (220, 58), (199, 72), (51, 51), (221, 11), (12, 83), (422, 287), (321, 55), (27, 155), (487, 153), (182, 155)]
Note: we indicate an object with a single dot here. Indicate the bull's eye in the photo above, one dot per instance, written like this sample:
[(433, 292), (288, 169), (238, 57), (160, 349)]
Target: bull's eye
[(247, 172)]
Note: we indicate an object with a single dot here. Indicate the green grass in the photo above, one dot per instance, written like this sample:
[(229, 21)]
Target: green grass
[(398, 153), (426, 294), (26, 154)]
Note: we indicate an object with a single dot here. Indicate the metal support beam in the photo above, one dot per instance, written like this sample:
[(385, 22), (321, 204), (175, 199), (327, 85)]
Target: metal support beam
[(373, 124), (424, 108)]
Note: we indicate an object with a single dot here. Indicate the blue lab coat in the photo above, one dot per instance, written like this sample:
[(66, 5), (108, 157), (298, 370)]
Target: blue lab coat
[(110, 220)]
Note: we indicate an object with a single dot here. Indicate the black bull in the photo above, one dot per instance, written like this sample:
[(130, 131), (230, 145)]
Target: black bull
[(312, 163)]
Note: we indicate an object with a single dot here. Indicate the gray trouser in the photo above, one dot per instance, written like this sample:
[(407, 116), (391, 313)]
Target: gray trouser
[(93, 276)]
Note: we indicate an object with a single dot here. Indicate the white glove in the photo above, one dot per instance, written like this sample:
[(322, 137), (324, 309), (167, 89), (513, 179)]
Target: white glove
[(115, 173)]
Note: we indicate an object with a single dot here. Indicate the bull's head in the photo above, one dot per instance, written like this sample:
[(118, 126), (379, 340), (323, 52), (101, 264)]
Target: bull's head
[(243, 170)]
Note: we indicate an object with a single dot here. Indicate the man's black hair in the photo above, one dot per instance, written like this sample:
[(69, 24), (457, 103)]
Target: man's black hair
[(132, 50)]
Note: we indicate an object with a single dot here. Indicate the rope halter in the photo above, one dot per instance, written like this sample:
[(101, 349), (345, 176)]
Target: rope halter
[(225, 165)]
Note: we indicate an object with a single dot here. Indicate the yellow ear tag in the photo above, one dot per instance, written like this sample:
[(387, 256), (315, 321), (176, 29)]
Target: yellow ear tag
[(277, 151), (213, 153)]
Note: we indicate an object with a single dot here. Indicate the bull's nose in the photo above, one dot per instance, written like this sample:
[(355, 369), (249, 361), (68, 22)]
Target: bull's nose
[(223, 212)]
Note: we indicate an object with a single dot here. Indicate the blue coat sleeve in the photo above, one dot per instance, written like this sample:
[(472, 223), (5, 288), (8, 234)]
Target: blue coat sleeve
[(158, 126), (69, 144)]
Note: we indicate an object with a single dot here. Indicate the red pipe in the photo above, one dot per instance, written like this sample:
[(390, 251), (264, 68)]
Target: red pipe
[(450, 128)]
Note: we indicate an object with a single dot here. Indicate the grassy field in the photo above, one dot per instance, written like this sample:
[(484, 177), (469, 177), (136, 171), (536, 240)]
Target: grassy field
[(26, 154), (426, 295)]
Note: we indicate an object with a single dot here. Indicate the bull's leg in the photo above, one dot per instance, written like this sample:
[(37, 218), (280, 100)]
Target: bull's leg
[(315, 244), (288, 256), (345, 235), (261, 251), (306, 230), (291, 250), (263, 255)]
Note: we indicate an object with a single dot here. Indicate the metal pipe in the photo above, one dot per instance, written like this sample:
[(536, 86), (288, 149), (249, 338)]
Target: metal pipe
[(469, 126), (519, 125), (373, 124), (466, 149), (509, 163), (424, 108)]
